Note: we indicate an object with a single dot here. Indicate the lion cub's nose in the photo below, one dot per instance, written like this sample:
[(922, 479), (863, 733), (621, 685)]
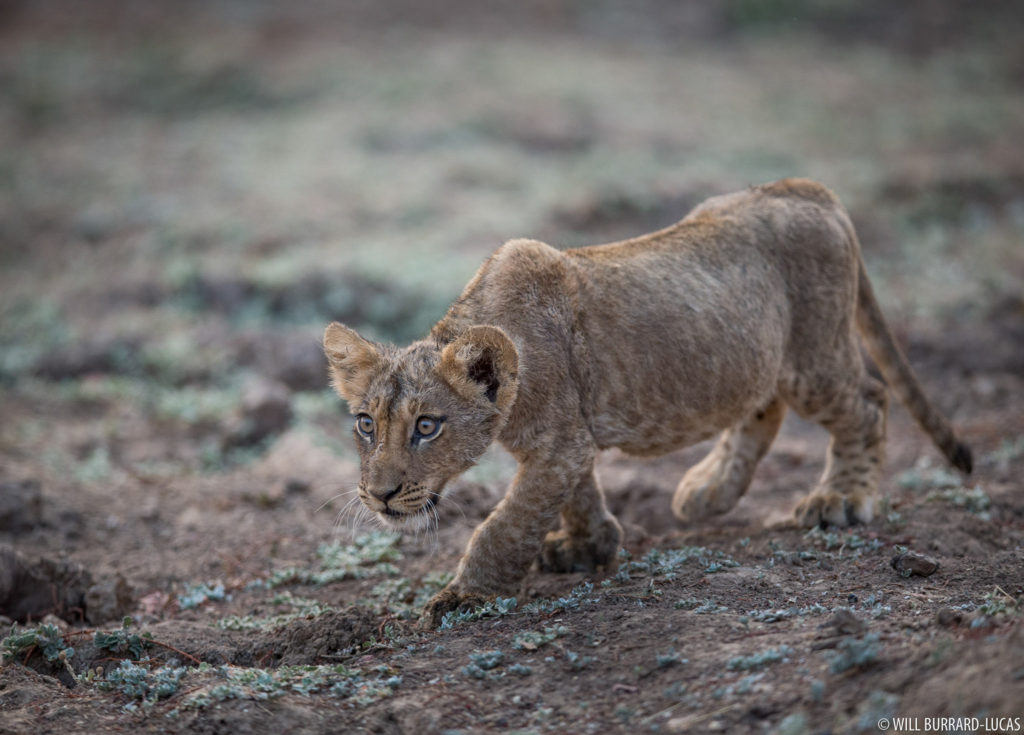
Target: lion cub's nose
[(385, 495)]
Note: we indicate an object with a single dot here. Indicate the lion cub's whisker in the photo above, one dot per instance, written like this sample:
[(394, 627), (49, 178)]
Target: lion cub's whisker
[(335, 497)]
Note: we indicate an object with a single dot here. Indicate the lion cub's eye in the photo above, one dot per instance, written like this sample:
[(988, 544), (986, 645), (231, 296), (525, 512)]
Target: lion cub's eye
[(364, 425), (427, 428)]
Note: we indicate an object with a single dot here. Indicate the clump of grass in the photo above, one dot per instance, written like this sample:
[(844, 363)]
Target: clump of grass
[(757, 660), (371, 555), (302, 609), (855, 653), (497, 608)]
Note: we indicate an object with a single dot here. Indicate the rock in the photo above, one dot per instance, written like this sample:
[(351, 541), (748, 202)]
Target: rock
[(21, 505), (910, 563)]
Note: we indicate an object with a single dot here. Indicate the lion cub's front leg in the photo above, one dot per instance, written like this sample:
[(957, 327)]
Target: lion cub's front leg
[(589, 538), (504, 546)]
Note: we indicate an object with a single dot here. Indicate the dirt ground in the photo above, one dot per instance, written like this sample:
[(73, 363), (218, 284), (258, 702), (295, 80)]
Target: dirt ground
[(191, 191)]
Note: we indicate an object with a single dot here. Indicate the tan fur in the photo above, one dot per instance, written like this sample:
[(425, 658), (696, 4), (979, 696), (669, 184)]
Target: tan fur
[(714, 325)]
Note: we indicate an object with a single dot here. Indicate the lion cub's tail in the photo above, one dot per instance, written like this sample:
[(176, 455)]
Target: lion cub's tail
[(900, 377)]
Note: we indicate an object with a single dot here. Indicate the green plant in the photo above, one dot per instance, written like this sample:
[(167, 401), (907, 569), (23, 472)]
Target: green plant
[(123, 642), (302, 609), (196, 594), (532, 640), (576, 661), (370, 555), (499, 607), (855, 653), (141, 683), (774, 616), (757, 660), (47, 638), (670, 659), (482, 662)]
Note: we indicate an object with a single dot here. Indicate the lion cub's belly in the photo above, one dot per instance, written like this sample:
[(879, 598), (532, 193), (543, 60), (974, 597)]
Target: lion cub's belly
[(663, 422), (677, 375)]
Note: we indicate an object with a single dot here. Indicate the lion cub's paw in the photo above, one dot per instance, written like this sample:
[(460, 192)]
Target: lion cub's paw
[(564, 553), (827, 507), (448, 600)]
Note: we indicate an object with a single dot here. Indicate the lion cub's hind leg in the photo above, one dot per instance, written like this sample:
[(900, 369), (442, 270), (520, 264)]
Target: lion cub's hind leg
[(589, 537), (717, 482), (848, 487)]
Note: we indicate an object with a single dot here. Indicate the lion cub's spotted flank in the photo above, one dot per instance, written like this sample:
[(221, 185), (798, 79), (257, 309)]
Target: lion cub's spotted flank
[(715, 325)]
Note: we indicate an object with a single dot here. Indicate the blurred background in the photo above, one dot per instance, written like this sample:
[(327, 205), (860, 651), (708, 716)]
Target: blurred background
[(190, 191)]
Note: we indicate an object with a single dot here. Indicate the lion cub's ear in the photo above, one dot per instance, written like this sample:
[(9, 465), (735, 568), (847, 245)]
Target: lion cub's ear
[(352, 361), (482, 362)]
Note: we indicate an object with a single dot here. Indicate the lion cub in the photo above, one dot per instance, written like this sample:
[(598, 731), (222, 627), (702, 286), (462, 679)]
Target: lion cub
[(716, 324)]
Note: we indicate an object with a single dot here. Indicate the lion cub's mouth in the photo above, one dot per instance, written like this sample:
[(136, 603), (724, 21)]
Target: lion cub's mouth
[(395, 518)]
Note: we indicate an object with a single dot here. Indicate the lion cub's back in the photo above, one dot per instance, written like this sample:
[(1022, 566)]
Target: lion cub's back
[(690, 325)]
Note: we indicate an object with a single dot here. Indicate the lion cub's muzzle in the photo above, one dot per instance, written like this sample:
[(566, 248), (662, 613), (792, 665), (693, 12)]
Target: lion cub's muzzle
[(400, 504)]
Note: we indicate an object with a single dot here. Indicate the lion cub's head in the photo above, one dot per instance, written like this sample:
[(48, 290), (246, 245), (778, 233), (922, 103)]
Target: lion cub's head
[(423, 414)]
